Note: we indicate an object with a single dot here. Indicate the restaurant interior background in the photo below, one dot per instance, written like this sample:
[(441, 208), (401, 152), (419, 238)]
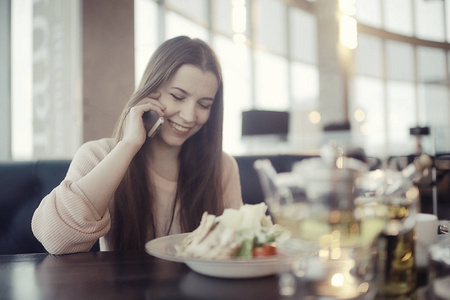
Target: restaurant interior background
[(368, 69)]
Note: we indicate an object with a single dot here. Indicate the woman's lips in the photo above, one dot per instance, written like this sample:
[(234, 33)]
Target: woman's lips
[(178, 128)]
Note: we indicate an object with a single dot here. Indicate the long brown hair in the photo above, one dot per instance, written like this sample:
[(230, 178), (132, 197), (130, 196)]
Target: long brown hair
[(199, 186)]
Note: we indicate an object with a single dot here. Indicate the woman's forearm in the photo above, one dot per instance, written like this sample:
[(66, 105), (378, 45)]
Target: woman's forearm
[(100, 184)]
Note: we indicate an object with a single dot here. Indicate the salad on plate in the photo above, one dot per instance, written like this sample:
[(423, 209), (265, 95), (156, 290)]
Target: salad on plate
[(247, 232)]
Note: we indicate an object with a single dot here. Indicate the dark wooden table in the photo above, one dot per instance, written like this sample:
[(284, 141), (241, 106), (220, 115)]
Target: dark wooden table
[(109, 275)]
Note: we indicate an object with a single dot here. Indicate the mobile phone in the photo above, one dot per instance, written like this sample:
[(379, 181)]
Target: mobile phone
[(152, 122)]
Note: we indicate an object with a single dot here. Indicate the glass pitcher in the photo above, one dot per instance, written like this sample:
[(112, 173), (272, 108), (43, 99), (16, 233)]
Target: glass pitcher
[(331, 228)]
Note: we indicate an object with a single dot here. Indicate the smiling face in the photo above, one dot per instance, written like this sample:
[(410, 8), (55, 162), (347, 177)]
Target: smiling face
[(188, 97)]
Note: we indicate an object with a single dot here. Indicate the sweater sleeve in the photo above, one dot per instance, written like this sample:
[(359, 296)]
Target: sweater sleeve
[(231, 183), (66, 221)]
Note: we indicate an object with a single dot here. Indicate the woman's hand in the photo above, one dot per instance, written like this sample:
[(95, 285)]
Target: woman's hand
[(100, 184), (134, 130)]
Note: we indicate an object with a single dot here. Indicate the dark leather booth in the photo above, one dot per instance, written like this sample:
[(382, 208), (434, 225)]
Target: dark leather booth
[(24, 184), (22, 187)]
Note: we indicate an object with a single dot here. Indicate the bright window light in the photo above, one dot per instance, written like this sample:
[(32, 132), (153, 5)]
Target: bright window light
[(348, 32), (314, 117), (359, 115), (21, 80), (348, 7)]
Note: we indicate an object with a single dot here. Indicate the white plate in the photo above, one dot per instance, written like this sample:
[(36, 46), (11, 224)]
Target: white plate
[(164, 248)]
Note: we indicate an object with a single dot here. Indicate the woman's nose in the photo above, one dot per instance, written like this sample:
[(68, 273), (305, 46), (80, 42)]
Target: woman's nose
[(187, 112)]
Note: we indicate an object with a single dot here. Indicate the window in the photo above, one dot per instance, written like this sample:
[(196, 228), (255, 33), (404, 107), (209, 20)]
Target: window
[(276, 66), (398, 16), (222, 19), (269, 28), (430, 20), (177, 25), (304, 85), (369, 56), (431, 65), (145, 34), (271, 81), (235, 61), (303, 34), (195, 10), (368, 115), (399, 61), (369, 12), (401, 112)]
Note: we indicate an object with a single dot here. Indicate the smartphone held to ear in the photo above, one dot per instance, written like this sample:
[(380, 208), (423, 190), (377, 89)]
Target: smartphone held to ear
[(152, 122)]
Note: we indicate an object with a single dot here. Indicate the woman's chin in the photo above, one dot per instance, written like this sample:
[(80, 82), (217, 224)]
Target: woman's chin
[(174, 141)]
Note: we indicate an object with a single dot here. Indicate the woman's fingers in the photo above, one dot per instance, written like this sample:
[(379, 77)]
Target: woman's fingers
[(140, 109), (152, 103), (155, 95), (135, 127)]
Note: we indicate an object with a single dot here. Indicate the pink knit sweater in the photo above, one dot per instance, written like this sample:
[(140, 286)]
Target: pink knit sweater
[(67, 222)]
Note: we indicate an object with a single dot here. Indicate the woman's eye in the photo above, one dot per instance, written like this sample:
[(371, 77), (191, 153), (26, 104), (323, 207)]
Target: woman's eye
[(176, 97), (205, 106)]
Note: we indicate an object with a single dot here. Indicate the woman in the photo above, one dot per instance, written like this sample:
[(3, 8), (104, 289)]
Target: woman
[(131, 188)]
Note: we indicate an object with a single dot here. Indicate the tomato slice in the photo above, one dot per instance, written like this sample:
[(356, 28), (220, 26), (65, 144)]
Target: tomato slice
[(264, 250)]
